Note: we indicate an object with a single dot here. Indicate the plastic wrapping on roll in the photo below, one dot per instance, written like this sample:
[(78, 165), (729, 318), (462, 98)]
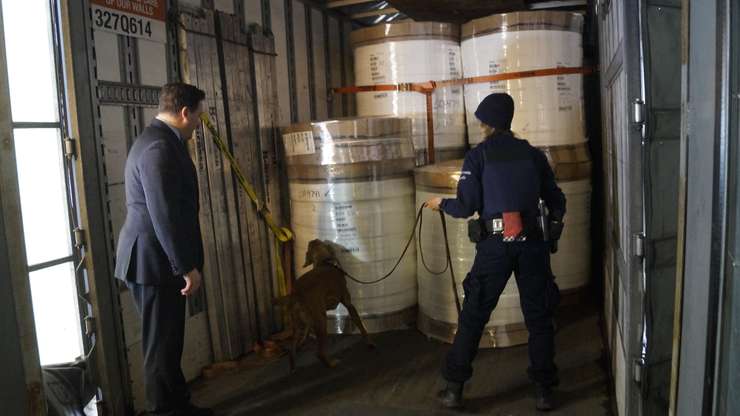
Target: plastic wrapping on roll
[(351, 185), (413, 52), (333, 190), (572, 263), (569, 162), (348, 141), (549, 110)]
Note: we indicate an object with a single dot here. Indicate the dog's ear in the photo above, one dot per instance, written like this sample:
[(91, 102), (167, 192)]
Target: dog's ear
[(309, 253), (330, 247), (309, 259)]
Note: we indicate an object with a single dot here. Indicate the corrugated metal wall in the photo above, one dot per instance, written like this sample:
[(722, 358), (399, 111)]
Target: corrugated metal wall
[(614, 105), (311, 54)]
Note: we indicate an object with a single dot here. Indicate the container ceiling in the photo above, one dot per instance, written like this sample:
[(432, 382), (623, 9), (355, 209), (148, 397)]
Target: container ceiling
[(372, 12)]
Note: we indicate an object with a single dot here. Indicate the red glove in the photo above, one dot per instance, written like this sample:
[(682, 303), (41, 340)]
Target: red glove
[(512, 225)]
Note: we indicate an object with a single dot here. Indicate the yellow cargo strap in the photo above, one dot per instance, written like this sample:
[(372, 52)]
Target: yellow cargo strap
[(282, 234)]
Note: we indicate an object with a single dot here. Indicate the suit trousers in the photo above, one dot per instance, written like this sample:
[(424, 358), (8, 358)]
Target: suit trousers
[(495, 260), (162, 312)]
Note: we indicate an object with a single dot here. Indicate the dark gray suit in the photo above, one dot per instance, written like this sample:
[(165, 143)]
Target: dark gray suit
[(159, 242), (160, 239)]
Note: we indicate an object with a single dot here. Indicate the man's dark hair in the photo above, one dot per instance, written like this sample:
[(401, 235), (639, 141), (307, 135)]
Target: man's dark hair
[(174, 96)]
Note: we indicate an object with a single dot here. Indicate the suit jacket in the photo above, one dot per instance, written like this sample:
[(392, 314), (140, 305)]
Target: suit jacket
[(160, 239)]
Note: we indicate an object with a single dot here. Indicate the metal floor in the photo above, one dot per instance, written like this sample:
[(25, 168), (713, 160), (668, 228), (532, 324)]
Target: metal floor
[(401, 377)]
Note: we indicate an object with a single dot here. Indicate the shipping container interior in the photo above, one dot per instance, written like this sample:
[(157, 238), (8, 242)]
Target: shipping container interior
[(633, 87)]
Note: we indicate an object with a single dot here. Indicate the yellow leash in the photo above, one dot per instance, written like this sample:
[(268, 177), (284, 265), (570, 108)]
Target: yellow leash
[(282, 234)]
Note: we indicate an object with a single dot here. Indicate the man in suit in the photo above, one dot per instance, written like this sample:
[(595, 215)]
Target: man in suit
[(160, 249)]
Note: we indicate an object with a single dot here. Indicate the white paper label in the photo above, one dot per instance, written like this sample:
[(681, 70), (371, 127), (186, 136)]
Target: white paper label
[(131, 18), (300, 143)]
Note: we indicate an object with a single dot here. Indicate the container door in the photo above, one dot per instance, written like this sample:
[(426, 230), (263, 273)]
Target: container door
[(660, 41), (42, 166), (727, 367), (623, 130)]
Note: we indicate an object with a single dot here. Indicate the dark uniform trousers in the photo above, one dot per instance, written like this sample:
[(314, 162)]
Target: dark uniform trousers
[(162, 311), (494, 262)]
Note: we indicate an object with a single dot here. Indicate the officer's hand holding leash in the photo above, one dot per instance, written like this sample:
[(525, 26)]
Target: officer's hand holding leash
[(433, 204)]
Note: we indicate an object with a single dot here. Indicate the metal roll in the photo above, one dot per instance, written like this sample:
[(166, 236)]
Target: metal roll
[(413, 52), (572, 263), (549, 110), (351, 184)]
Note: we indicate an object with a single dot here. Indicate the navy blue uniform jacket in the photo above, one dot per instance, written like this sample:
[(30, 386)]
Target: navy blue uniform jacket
[(505, 174), (160, 239)]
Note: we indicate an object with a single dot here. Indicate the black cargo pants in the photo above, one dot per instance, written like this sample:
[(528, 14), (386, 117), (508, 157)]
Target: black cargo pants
[(493, 265)]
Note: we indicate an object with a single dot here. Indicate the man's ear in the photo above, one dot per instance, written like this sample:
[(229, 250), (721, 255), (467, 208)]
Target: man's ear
[(184, 113)]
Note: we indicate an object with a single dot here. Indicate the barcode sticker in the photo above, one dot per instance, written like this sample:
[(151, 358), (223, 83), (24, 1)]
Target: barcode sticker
[(300, 143)]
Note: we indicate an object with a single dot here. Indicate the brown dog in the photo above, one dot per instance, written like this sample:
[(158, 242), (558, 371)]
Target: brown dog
[(317, 291)]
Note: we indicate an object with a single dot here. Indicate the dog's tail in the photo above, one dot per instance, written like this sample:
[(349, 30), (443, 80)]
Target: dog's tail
[(282, 300)]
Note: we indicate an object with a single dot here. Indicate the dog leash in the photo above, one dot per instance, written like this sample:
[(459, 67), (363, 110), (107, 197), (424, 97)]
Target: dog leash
[(284, 234), (417, 225)]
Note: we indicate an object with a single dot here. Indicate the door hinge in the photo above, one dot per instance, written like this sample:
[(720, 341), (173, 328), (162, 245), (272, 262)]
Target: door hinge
[(70, 150), (639, 244), (79, 236), (638, 111), (639, 371), (90, 325)]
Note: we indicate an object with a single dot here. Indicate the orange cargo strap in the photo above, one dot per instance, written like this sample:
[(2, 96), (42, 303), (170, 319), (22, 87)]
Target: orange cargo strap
[(427, 88)]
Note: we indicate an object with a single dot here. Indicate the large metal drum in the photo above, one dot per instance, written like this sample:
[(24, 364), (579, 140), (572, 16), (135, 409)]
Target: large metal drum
[(571, 265), (413, 52), (549, 110), (351, 183)]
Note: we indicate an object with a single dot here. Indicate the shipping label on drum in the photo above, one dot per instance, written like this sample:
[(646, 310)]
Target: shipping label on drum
[(378, 67), (138, 18), (494, 67), (454, 62), (565, 90), (300, 143)]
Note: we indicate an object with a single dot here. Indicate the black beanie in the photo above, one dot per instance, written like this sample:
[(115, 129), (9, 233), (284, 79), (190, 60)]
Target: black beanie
[(496, 110)]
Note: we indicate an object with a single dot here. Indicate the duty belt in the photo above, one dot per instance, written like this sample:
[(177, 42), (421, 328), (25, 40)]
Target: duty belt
[(494, 226)]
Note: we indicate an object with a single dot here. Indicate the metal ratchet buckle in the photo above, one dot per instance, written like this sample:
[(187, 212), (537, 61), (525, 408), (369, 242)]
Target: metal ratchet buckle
[(497, 225)]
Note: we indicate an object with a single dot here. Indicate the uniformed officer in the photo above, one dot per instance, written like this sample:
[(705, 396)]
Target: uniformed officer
[(503, 179)]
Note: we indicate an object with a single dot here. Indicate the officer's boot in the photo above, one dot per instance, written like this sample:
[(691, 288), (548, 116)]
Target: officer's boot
[(451, 396), (543, 398)]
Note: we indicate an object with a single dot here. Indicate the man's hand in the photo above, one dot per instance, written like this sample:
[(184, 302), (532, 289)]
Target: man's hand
[(192, 282), (433, 204)]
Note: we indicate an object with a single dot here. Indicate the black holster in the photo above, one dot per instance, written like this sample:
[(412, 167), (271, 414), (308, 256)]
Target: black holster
[(476, 230)]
